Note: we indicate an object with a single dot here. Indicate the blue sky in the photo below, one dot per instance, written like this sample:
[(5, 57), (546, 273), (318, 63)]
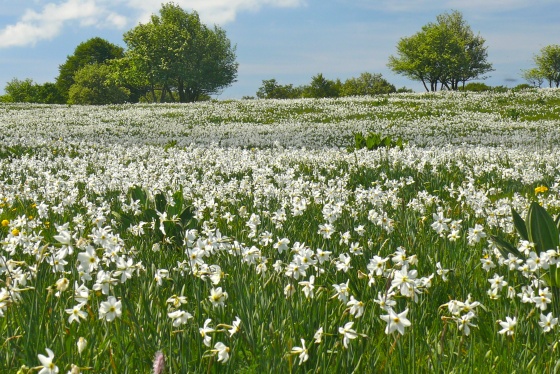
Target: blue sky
[(289, 40)]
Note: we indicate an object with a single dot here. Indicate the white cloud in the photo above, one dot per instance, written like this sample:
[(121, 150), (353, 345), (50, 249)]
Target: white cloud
[(48, 23), (211, 11)]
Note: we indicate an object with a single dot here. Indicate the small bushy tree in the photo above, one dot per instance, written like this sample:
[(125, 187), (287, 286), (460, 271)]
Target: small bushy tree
[(547, 67), (534, 76), (321, 87), (93, 84), (21, 91), (366, 84), (27, 91), (271, 89)]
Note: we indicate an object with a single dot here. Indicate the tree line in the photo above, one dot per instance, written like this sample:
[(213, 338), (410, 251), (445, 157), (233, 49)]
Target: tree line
[(176, 58), (321, 87), (173, 57)]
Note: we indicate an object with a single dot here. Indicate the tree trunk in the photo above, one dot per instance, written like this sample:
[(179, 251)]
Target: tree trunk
[(181, 90), (153, 91), (163, 92)]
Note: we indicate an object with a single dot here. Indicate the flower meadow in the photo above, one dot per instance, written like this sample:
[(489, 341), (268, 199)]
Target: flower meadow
[(248, 236)]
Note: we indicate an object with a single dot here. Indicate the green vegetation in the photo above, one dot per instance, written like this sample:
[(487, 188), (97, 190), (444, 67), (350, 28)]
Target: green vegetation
[(375, 141), (244, 237), (174, 57), (91, 52), (320, 87), (547, 67), (445, 53), (94, 85), (175, 50)]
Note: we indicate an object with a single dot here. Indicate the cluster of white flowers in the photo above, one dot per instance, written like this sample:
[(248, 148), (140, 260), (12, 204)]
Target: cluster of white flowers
[(297, 212)]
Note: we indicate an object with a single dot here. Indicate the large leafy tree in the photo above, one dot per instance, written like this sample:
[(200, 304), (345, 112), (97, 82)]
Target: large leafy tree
[(175, 52), (547, 67), (444, 53), (93, 51)]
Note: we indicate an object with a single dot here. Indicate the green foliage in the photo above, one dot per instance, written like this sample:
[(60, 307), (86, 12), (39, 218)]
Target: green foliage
[(174, 217), (320, 87), (271, 89), (21, 91), (366, 84), (48, 93), (547, 67), (534, 76), (375, 141), (175, 51), (93, 85), (538, 228), (446, 53), (93, 51), (475, 87), (26, 91), (522, 86), (405, 90)]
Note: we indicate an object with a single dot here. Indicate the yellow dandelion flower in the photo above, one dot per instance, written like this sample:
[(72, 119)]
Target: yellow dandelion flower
[(541, 189)]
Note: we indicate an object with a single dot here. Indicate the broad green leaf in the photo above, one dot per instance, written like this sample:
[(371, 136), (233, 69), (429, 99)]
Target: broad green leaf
[(541, 228), (505, 247), (161, 202), (125, 219), (519, 224), (186, 215), (138, 193)]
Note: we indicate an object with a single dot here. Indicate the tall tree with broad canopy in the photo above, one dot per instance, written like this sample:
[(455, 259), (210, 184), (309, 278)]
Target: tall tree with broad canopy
[(175, 52), (444, 53)]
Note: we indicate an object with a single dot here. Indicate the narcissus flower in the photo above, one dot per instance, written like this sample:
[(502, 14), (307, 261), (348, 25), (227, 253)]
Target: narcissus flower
[(395, 321), (110, 309), (222, 351), (301, 351), (508, 327), (47, 363)]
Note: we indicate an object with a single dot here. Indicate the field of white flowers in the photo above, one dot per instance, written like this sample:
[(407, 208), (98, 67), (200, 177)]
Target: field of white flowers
[(244, 236)]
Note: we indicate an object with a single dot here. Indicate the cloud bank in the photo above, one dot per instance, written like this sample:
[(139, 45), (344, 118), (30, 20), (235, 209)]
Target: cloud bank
[(49, 21)]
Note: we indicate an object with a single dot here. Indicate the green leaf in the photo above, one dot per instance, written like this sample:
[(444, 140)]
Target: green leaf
[(541, 228), (161, 202), (506, 248), (519, 224), (125, 219), (359, 140), (186, 215), (387, 142), (138, 193)]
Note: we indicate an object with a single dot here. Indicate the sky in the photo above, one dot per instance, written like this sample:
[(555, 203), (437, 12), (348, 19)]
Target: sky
[(288, 40)]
